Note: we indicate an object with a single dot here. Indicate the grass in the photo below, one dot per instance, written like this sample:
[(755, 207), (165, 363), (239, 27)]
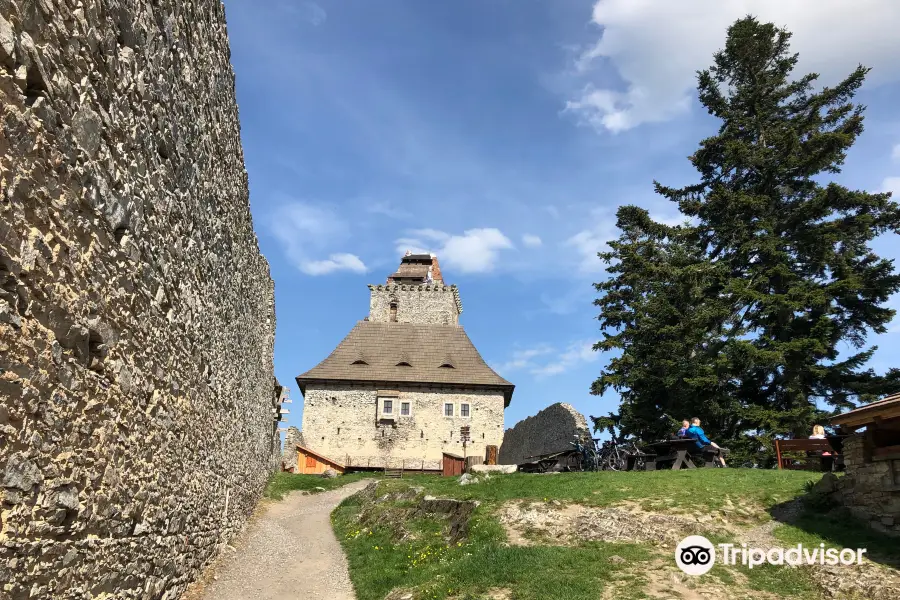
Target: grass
[(282, 483), (839, 530), (436, 570), (707, 489), (389, 551)]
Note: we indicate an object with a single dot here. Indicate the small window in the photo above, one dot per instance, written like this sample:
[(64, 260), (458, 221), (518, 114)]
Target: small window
[(404, 409), (464, 410), (388, 407), (359, 361), (447, 366), (403, 363), (448, 409), (393, 309)]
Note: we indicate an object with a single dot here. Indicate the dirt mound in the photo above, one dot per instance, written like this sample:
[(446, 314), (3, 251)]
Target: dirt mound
[(560, 524)]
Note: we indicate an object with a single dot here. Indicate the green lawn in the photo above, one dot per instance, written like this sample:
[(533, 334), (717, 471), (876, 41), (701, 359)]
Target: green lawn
[(390, 553), (282, 483)]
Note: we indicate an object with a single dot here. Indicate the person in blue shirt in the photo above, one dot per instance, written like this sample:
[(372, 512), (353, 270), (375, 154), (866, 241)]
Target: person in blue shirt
[(696, 433)]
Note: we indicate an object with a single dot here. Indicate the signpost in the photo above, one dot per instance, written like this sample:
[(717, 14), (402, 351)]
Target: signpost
[(464, 436)]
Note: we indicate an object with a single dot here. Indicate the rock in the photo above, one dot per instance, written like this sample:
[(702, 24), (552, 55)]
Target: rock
[(86, 128), (616, 559), (21, 473), (467, 479), (7, 44), (493, 469), (329, 474), (826, 485)]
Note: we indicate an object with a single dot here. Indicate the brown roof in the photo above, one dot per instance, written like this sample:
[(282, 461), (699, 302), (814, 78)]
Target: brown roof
[(886, 408), (321, 457), (424, 347)]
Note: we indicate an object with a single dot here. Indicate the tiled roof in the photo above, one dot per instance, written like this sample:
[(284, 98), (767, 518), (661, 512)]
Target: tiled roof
[(888, 407), (424, 347)]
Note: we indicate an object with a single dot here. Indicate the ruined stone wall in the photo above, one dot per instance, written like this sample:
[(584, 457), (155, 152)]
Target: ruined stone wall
[(868, 488), (292, 437), (432, 304), (136, 312), (551, 430), (343, 423)]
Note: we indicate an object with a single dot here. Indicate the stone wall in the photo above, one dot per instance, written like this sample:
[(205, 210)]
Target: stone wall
[(432, 304), (551, 430), (292, 437), (869, 488), (342, 423), (136, 312)]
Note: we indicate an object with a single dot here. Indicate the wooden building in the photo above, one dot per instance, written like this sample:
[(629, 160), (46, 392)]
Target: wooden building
[(310, 462)]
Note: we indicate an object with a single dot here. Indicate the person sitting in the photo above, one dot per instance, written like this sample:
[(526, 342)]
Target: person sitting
[(685, 425), (818, 433), (696, 433)]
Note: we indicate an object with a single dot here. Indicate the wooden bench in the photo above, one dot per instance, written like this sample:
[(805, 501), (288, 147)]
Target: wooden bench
[(393, 473), (814, 450)]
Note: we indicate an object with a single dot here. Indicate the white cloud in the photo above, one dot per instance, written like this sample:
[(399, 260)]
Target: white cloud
[(388, 210), (895, 153), (891, 184), (335, 262), (532, 241), (303, 230), (588, 242), (476, 251), (544, 360), (657, 46)]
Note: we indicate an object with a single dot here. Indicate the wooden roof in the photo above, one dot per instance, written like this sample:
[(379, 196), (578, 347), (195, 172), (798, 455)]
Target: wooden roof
[(424, 347), (884, 409), (321, 457)]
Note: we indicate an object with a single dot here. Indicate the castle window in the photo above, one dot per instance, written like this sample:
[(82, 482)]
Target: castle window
[(464, 410), (448, 409), (393, 312), (388, 407), (404, 409)]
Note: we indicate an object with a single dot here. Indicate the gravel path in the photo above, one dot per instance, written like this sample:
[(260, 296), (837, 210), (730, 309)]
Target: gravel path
[(289, 552)]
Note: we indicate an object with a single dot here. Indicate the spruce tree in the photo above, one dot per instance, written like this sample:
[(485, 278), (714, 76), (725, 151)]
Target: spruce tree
[(788, 275)]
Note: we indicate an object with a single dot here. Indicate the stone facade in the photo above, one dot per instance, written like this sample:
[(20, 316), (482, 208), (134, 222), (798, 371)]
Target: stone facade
[(869, 489), (434, 304), (344, 423), (136, 312), (551, 430)]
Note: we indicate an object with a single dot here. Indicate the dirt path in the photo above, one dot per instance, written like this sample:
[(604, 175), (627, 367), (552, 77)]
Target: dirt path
[(287, 552)]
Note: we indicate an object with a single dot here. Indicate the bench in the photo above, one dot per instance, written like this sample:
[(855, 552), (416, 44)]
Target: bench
[(708, 455), (814, 450)]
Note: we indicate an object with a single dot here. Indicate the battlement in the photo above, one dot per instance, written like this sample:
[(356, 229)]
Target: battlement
[(428, 303)]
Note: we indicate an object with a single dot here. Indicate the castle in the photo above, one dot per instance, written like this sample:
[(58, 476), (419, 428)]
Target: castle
[(399, 390)]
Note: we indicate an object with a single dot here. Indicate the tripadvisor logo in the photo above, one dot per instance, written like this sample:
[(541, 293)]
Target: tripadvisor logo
[(696, 555)]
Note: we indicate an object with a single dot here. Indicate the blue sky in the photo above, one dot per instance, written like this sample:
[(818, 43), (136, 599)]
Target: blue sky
[(501, 135)]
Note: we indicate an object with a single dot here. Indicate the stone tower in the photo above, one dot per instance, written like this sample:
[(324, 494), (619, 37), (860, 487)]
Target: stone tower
[(416, 293)]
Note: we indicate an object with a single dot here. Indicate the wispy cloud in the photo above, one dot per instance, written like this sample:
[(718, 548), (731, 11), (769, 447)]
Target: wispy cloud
[(307, 11), (475, 251), (532, 241), (544, 360), (305, 230), (636, 34), (895, 153), (388, 210), (891, 184)]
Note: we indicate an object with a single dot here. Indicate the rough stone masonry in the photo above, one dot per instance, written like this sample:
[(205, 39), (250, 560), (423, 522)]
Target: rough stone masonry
[(136, 312)]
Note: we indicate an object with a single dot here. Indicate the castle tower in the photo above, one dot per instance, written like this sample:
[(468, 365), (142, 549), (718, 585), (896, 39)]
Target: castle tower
[(416, 293)]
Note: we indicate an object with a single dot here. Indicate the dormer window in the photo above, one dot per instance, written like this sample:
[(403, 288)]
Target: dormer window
[(359, 361), (403, 363), (447, 365)]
